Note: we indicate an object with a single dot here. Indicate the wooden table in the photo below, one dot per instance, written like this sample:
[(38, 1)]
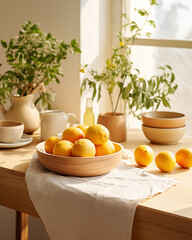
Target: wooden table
[(166, 216)]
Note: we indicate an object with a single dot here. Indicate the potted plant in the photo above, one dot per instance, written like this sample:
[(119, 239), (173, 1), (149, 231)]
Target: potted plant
[(119, 75), (35, 60)]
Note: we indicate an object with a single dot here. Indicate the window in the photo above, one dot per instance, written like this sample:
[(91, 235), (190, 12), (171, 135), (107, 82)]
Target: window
[(170, 43)]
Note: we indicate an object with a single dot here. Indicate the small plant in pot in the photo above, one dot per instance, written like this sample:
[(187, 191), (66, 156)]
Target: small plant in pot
[(124, 83), (35, 60)]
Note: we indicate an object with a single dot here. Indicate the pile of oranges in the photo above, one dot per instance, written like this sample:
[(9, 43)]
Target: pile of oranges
[(81, 141), (165, 160)]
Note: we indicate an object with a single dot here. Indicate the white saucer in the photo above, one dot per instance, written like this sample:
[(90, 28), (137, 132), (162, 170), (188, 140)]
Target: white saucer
[(24, 140)]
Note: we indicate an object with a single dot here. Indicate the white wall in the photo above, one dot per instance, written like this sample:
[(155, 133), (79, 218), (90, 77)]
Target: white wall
[(96, 43), (89, 21)]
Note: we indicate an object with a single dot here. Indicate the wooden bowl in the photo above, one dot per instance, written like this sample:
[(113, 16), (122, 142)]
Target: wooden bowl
[(163, 135), (10, 131), (163, 119), (79, 166)]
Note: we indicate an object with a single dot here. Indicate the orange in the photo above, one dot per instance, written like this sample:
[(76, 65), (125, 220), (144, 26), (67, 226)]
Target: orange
[(143, 155), (97, 133), (105, 148), (72, 134), (83, 148), (184, 157), (83, 127), (165, 161), (63, 148), (50, 143)]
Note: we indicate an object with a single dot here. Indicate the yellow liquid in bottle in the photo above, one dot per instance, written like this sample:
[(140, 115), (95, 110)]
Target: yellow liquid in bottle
[(89, 117)]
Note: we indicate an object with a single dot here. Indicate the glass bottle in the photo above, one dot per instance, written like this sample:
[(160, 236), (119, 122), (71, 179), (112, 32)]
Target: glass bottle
[(89, 117)]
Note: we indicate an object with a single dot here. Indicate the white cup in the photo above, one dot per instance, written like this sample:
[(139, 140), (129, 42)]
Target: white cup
[(54, 122), (10, 131)]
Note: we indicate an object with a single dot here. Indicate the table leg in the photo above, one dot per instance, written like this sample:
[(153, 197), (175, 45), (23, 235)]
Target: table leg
[(21, 226)]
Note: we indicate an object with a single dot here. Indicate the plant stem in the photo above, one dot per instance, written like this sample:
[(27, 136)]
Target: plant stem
[(31, 89), (117, 102), (23, 92), (111, 100)]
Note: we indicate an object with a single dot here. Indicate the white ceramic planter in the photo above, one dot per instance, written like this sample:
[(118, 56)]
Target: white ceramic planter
[(23, 110)]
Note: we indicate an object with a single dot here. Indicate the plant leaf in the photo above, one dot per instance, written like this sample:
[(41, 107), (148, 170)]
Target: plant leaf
[(3, 43), (99, 93)]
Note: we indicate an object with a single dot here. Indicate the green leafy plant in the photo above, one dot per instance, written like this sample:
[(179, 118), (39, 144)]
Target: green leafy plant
[(35, 60), (119, 73)]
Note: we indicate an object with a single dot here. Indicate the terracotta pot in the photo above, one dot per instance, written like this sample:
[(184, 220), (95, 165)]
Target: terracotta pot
[(23, 110), (116, 124)]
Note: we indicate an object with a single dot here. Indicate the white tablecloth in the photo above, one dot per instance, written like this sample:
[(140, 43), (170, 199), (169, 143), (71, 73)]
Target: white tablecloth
[(91, 208)]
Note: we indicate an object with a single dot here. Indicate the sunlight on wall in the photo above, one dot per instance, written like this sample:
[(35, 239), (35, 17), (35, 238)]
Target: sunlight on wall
[(95, 44), (90, 30)]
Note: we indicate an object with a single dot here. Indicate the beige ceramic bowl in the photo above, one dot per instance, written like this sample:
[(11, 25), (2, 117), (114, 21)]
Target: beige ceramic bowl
[(79, 166), (10, 131), (163, 135), (163, 119)]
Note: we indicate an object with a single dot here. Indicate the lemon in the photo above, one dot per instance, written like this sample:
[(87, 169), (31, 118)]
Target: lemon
[(105, 148), (143, 155), (184, 157), (50, 143), (97, 133), (72, 134), (165, 161), (63, 148), (83, 148), (83, 127)]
